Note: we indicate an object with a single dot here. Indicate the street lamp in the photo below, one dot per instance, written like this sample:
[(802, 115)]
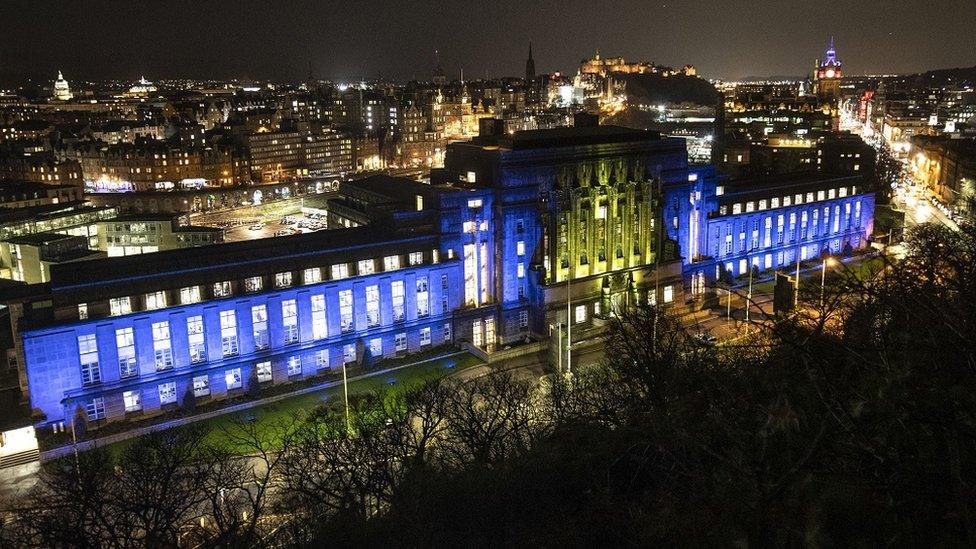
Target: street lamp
[(823, 277)]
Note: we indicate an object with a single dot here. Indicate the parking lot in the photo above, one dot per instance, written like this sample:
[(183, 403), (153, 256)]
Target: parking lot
[(280, 218)]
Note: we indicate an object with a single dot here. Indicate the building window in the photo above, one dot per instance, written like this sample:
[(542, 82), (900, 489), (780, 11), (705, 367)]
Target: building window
[(132, 401), (82, 311), (320, 329), (283, 280), (523, 319), (262, 371), (372, 306), (447, 332), (520, 247), (253, 284), (520, 270), (118, 306), (312, 275), (400, 342), (155, 300), (340, 271), (95, 408), (321, 359), (345, 311), (348, 353), (232, 378), (125, 342), (396, 289), (423, 297), (580, 314), (376, 347), (228, 333), (221, 289), (201, 386), (88, 354), (391, 263), (424, 337), (259, 326), (668, 294), (289, 320), (162, 347), (197, 339), (167, 393), (294, 365), (416, 258), (475, 203), (190, 295), (366, 266)]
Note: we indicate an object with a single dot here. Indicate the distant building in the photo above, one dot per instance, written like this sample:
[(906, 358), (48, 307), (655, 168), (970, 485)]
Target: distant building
[(530, 66), (29, 258), (62, 92), (134, 234), (827, 75)]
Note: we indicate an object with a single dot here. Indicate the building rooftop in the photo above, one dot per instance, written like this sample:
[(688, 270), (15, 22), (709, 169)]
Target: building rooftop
[(287, 251)]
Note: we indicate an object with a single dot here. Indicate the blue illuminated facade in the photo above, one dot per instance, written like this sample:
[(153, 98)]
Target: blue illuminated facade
[(765, 224), (489, 254)]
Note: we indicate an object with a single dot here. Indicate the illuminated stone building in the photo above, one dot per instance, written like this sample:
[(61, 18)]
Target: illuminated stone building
[(62, 92), (519, 236)]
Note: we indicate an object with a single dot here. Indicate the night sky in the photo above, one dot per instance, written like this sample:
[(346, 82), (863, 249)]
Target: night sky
[(278, 39)]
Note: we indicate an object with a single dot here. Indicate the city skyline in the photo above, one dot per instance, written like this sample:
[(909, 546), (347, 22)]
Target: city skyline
[(120, 40)]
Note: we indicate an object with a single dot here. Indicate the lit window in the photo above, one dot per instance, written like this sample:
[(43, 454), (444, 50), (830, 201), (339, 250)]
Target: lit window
[(319, 325), (259, 327), (321, 359), (289, 320), (349, 353), (190, 295), (88, 354), (416, 258), (232, 378), (668, 294), (423, 297), (126, 345), (201, 386), (376, 347), (118, 306), (372, 306), (283, 280), (312, 275), (155, 300), (737, 208), (253, 284), (424, 336), (294, 365), (468, 227), (162, 348), (580, 314), (197, 342), (520, 270), (82, 311), (472, 178), (132, 401), (228, 333), (345, 311), (340, 271), (391, 263), (476, 203), (167, 393), (366, 266), (520, 247), (221, 289)]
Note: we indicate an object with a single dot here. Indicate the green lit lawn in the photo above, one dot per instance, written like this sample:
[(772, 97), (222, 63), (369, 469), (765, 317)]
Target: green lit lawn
[(283, 410)]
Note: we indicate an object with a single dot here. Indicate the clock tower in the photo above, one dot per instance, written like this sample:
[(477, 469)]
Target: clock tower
[(827, 75)]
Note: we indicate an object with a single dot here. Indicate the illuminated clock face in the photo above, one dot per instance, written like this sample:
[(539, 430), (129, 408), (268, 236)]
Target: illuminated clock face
[(830, 73)]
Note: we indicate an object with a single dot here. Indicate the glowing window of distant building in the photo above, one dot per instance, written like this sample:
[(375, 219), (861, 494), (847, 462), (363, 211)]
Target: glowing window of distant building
[(668, 294), (579, 314)]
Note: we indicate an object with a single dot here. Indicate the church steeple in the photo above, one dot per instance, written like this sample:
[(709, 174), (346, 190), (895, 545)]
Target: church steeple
[(530, 66)]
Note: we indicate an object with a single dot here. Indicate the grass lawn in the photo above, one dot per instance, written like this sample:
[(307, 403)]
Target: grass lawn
[(282, 410)]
